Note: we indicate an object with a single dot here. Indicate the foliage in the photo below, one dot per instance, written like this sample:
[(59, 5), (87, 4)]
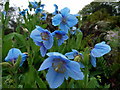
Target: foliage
[(28, 75)]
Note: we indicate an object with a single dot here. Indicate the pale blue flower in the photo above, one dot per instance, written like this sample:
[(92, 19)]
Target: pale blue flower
[(60, 67), (13, 55), (99, 50), (60, 35), (23, 12), (38, 10), (74, 30), (64, 19), (56, 10), (34, 4), (4, 13), (44, 16), (73, 54), (42, 37)]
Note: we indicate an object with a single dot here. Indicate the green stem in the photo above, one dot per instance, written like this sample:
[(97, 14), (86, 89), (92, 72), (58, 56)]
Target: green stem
[(86, 76)]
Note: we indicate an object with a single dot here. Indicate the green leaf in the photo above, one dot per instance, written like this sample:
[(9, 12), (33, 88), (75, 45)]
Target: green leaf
[(79, 39), (92, 83), (44, 26), (6, 6), (39, 81), (5, 64), (7, 21), (17, 64)]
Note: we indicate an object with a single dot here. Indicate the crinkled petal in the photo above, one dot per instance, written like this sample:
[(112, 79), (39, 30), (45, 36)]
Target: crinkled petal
[(13, 54), (64, 27), (35, 35), (46, 64), (24, 57), (74, 50), (65, 11), (40, 29), (66, 75), (65, 37), (70, 55), (60, 41), (81, 65), (71, 20), (100, 49), (43, 50), (55, 5), (48, 43), (73, 70), (38, 43), (56, 54), (93, 61), (57, 19), (54, 79)]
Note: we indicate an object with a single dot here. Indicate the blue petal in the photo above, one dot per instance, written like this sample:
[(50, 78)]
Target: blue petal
[(60, 41), (48, 43), (40, 29), (54, 79), (35, 35), (24, 56), (75, 51), (76, 14), (71, 20), (43, 50), (66, 75), (70, 55), (65, 11), (73, 70), (47, 63), (56, 7), (81, 65), (34, 4), (100, 49), (13, 54), (65, 37), (57, 19), (56, 54), (38, 43), (93, 61), (64, 27)]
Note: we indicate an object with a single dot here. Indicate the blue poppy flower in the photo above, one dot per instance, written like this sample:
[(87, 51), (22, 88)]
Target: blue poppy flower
[(64, 19), (73, 55), (56, 10), (23, 12), (74, 30), (60, 35), (60, 67), (13, 55), (4, 13), (42, 6), (99, 50), (38, 10), (42, 37), (44, 16), (34, 4)]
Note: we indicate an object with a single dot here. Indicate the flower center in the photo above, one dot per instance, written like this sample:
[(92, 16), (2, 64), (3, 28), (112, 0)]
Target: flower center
[(58, 66), (45, 36), (58, 36), (64, 20)]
